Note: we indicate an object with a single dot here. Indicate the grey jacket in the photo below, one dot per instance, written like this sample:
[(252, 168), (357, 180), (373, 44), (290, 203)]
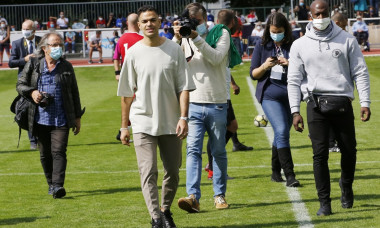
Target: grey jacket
[(65, 76), (327, 65)]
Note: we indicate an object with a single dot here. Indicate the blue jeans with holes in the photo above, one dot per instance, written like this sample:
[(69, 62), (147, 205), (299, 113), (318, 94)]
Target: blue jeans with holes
[(279, 116), (211, 118)]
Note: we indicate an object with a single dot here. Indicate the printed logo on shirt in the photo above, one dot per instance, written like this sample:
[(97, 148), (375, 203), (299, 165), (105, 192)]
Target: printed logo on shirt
[(336, 53)]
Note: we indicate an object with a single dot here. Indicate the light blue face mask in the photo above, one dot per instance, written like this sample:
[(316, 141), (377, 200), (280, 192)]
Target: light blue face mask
[(301, 3), (277, 37), (56, 52), (202, 29)]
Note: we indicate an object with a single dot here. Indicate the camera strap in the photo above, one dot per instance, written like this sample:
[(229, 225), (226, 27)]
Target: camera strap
[(192, 51)]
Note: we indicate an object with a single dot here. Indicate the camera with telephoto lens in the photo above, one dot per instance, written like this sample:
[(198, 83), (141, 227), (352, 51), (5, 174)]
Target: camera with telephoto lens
[(187, 24), (46, 100)]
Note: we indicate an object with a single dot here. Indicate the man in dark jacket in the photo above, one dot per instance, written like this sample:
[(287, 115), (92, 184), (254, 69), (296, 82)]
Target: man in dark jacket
[(21, 52), (49, 80), (22, 49)]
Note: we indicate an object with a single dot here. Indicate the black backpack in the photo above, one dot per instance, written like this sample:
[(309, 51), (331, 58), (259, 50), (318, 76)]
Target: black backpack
[(20, 107)]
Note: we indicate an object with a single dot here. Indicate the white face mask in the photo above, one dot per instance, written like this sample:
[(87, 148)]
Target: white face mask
[(258, 27), (27, 33), (62, 15), (100, 18), (2, 25), (321, 24)]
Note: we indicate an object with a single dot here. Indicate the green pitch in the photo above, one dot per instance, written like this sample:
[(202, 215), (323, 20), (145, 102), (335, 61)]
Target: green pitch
[(103, 185)]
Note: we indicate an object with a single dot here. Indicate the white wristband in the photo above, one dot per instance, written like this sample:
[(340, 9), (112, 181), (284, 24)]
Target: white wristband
[(123, 129), (184, 118)]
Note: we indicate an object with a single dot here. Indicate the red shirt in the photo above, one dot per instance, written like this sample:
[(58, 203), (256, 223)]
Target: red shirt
[(238, 32), (100, 23), (51, 24), (129, 38)]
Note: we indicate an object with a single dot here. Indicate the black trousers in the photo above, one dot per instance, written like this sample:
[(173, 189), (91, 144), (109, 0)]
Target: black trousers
[(344, 129), (52, 143)]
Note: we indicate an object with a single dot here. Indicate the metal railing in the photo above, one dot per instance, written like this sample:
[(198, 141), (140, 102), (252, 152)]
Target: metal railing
[(15, 14), (349, 6)]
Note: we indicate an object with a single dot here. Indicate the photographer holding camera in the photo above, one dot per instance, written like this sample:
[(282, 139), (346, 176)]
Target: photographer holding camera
[(49, 80), (208, 103)]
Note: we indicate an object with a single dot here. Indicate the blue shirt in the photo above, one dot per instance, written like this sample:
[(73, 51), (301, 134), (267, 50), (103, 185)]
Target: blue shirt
[(268, 88), (167, 35), (359, 25), (119, 22), (53, 114), (71, 35)]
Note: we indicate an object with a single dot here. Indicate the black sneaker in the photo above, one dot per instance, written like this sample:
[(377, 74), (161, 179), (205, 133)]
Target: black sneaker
[(291, 181), (100, 61), (241, 147), (347, 198), (118, 136), (167, 219), (325, 209), (90, 62), (51, 189), (276, 177), (59, 192), (156, 223)]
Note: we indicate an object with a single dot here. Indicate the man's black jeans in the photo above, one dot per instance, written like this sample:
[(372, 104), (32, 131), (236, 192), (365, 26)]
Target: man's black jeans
[(344, 129), (52, 143)]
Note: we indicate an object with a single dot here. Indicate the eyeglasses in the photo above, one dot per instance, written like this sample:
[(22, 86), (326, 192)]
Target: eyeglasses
[(55, 45)]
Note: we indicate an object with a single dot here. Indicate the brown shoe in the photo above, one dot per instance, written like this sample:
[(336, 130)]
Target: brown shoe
[(220, 202), (189, 204)]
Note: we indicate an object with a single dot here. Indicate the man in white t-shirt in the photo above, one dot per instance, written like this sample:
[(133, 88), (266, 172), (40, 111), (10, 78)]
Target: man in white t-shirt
[(155, 69), (95, 43), (62, 22)]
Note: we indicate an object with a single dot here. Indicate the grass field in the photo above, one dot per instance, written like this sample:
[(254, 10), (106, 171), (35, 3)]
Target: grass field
[(103, 183)]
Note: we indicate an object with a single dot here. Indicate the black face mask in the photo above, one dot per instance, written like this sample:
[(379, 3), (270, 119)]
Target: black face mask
[(165, 30)]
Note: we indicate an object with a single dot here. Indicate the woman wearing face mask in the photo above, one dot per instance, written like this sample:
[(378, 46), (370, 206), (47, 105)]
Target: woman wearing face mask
[(269, 66), (4, 40), (49, 81)]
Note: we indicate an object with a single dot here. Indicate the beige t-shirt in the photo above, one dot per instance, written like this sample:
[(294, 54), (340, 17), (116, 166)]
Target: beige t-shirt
[(155, 75)]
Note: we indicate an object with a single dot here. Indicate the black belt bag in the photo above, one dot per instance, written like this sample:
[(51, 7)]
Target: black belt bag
[(333, 105)]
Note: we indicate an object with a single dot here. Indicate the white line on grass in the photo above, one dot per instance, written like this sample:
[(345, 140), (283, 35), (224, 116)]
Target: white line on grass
[(299, 208)]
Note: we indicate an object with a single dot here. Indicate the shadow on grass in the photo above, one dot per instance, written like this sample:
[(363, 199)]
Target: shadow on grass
[(311, 172), (15, 221), (250, 177), (323, 220), (17, 151), (93, 192), (366, 197), (85, 144), (360, 177), (102, 192), (95, 144)]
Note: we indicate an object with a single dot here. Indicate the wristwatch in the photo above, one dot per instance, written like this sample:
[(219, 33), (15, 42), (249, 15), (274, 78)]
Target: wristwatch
[(184, 118)]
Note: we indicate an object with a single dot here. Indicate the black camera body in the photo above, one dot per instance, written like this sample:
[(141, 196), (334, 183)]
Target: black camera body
[(187, 24), (46, 100)]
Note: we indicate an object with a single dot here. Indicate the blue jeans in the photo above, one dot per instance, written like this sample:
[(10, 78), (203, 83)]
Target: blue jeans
[(279, 116), (211, 118)]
